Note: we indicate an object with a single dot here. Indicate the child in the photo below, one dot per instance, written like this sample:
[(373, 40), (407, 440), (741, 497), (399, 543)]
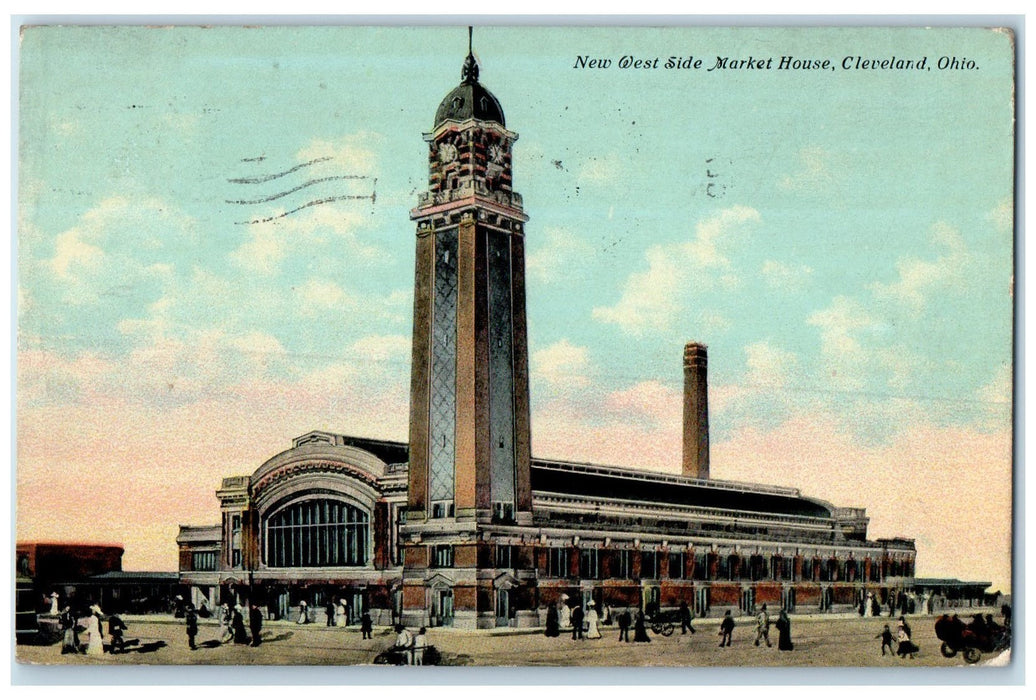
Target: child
[(419, 645), (886, 640)]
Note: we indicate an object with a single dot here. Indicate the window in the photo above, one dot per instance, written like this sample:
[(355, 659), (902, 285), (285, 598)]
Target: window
[(235, 557), (203, 561), (442, 509), (503, 512), (505, 556), (557, 562), (623, 564), (318, 532), (676, 565), (589, 564), (442, 556), (649, 564), (701, 566)]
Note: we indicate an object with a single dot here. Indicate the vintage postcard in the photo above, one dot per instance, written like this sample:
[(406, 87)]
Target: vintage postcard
[(498, 346)]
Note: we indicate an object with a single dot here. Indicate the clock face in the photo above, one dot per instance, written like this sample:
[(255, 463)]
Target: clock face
[(496, 153), (447, 153)]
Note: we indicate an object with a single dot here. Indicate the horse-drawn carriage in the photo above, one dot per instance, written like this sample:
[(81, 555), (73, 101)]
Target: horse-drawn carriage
[(662, 622), (972, 640)]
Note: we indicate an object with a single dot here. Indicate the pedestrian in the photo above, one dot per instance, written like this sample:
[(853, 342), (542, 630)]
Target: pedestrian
[(606, 614), (886, 640), (726, 629), (624, 625), (404, 644), (577, 622), (1005, 610), (342, 613), (640, 629), (906, 625), (237, 623), (553, 629), (906, 646), (115, 628), (70, 638), (54, 609), (564, 613), (686, 617), (366, 625), (784, 632), (303, 613), (329, 611), (226, 618), (191, 618), (255, 623), (592, 618), (762, 627), (419, 646), (95, 645)]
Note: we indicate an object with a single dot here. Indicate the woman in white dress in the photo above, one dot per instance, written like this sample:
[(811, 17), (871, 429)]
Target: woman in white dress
[(592, 630), (564, 616), (341, 619), (95, 647)]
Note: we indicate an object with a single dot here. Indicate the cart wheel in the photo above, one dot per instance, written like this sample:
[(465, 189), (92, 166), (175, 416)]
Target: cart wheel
[(667, 629), (947, 651), (972, 655)]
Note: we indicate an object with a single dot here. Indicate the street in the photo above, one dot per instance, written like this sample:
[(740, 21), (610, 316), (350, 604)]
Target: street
[(827, 640)]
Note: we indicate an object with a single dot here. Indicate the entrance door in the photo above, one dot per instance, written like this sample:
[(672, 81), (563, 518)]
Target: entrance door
[(747, 600), (701, 601), (788, 599), (503, 607), (355, 608), (446, 607)]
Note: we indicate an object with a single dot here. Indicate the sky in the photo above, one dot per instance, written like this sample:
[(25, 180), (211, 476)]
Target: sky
[(215, 256)]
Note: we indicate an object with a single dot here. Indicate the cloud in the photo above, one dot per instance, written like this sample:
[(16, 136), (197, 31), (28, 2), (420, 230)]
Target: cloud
[(558, 252), (561, 366), (918, 278), (816, 168), (768, 365), (791, 278), (600, 168), (652, 298)]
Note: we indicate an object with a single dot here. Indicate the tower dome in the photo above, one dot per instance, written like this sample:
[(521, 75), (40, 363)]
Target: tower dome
[(470, 99)]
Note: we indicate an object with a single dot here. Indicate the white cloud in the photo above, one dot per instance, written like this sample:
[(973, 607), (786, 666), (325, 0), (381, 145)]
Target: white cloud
[(768, 365), (815, 168), (71, 252), (792, 278), (1002, 215), (917, 278), (559, 249), (318, 296), (561, 365), (354, 154), (601, 168), (653, 298)]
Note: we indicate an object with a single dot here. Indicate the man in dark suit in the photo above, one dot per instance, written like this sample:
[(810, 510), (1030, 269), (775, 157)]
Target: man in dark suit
[(255, 623), (624, 625), (577, 622)]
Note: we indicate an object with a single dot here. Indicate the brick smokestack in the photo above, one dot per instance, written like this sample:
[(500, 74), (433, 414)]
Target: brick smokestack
[(696, 411)]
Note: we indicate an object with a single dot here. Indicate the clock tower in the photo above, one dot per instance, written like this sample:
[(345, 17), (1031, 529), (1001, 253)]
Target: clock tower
[(469, 396)]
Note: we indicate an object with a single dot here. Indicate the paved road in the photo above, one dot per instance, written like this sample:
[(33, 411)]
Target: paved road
[(819, 641)]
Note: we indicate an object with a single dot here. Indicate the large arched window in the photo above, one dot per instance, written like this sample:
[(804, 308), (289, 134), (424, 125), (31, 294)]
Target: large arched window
[(318, 532)]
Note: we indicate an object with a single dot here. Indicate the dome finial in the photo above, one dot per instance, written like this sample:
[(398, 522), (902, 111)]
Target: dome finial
[(469, 72)]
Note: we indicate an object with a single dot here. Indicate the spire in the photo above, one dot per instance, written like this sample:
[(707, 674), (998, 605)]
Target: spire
[(469, 72)]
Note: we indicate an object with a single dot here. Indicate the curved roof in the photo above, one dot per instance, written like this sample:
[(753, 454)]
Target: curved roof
[(469, 100)]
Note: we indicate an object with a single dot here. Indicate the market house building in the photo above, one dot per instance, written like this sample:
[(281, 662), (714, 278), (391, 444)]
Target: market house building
[(462, 526)]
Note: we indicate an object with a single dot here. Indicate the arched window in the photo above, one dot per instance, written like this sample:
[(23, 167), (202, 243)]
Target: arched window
[(319, 532)]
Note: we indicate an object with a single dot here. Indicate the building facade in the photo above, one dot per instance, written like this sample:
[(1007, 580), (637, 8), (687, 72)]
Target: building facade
[(462, 526)]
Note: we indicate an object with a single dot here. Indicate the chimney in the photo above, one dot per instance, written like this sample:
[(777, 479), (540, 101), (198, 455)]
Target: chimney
[(695, 411)]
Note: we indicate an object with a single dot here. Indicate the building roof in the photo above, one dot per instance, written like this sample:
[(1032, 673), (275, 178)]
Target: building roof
[(600, 481), (469, 100)]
